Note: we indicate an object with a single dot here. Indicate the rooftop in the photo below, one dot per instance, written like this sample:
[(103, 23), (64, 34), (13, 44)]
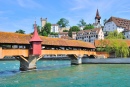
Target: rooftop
[(90, 30), (16, 38), (120, 22)]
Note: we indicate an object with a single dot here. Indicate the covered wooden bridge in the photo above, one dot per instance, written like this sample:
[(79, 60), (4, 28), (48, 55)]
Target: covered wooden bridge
[(30, 48)]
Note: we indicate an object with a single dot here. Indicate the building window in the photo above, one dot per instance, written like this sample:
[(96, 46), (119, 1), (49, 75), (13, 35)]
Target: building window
[(96, 36)]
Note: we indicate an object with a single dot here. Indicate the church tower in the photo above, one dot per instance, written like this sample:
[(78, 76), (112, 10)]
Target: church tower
[(97, 18), (43, 22)]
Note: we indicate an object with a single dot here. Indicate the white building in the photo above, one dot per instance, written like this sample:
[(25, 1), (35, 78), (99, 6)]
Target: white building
[(55, 28), (90, 35), (118, 24), (62, 34), (81, 27), (127, 34)]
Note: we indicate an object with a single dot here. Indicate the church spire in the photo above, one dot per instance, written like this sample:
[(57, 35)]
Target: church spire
[(35, 36), (97, 18), (97, 15)]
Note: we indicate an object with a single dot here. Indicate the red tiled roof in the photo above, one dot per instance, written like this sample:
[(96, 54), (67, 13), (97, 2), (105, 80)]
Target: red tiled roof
[(91, 30), (120, 22), (66, 37), (16, 38), (35, 36)]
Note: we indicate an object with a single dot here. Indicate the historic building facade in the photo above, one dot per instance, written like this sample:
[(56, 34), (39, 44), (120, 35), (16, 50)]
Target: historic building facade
[(119, 24), (65, 35), (55, 28), (127, 34), (90, 35)]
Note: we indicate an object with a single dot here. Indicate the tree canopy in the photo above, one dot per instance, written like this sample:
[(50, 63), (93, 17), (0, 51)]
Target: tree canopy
[(114, 43), (20, 31), (46, 30), (63, 22), (65, 30), (73, 29), (53, 33), (88, 27), (81, 23), (115, 35)]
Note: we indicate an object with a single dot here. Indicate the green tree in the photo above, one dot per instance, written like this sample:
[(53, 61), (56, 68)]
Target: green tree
[(119, 47), (20, 31), (53, 33), (115, 35), (46, 30), (88, 27), (73, 29), (114, 43), (63, 22), (39, 30), (81, 23), (65, 31), (44, 33)]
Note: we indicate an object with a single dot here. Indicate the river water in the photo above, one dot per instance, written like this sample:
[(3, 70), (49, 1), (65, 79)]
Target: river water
[(54, 73)]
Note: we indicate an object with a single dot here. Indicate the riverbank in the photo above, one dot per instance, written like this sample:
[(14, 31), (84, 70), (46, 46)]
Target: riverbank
[(106, 61)]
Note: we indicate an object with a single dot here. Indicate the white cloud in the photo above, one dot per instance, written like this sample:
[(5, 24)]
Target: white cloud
[(28, 4), (78, 4), (86, 9)]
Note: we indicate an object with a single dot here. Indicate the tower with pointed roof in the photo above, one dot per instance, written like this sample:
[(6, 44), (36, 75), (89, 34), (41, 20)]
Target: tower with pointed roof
[(97, 20), (35, 42), (97, 17)]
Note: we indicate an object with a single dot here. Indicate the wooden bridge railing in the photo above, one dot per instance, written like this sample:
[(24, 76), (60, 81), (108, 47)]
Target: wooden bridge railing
[(67, 52), (25, 52), (13, 52)]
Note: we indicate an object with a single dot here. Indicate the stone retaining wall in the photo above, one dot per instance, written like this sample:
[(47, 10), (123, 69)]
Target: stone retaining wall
[(106, 61)]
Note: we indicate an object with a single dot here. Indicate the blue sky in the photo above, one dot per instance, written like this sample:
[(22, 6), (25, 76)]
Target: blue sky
[(21, 14)]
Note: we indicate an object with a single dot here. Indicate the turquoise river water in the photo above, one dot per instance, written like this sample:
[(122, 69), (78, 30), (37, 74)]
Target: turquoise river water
[(54, 73)]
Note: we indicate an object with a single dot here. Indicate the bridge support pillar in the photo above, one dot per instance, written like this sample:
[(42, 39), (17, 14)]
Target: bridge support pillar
[(30, 64), (76, 61)]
